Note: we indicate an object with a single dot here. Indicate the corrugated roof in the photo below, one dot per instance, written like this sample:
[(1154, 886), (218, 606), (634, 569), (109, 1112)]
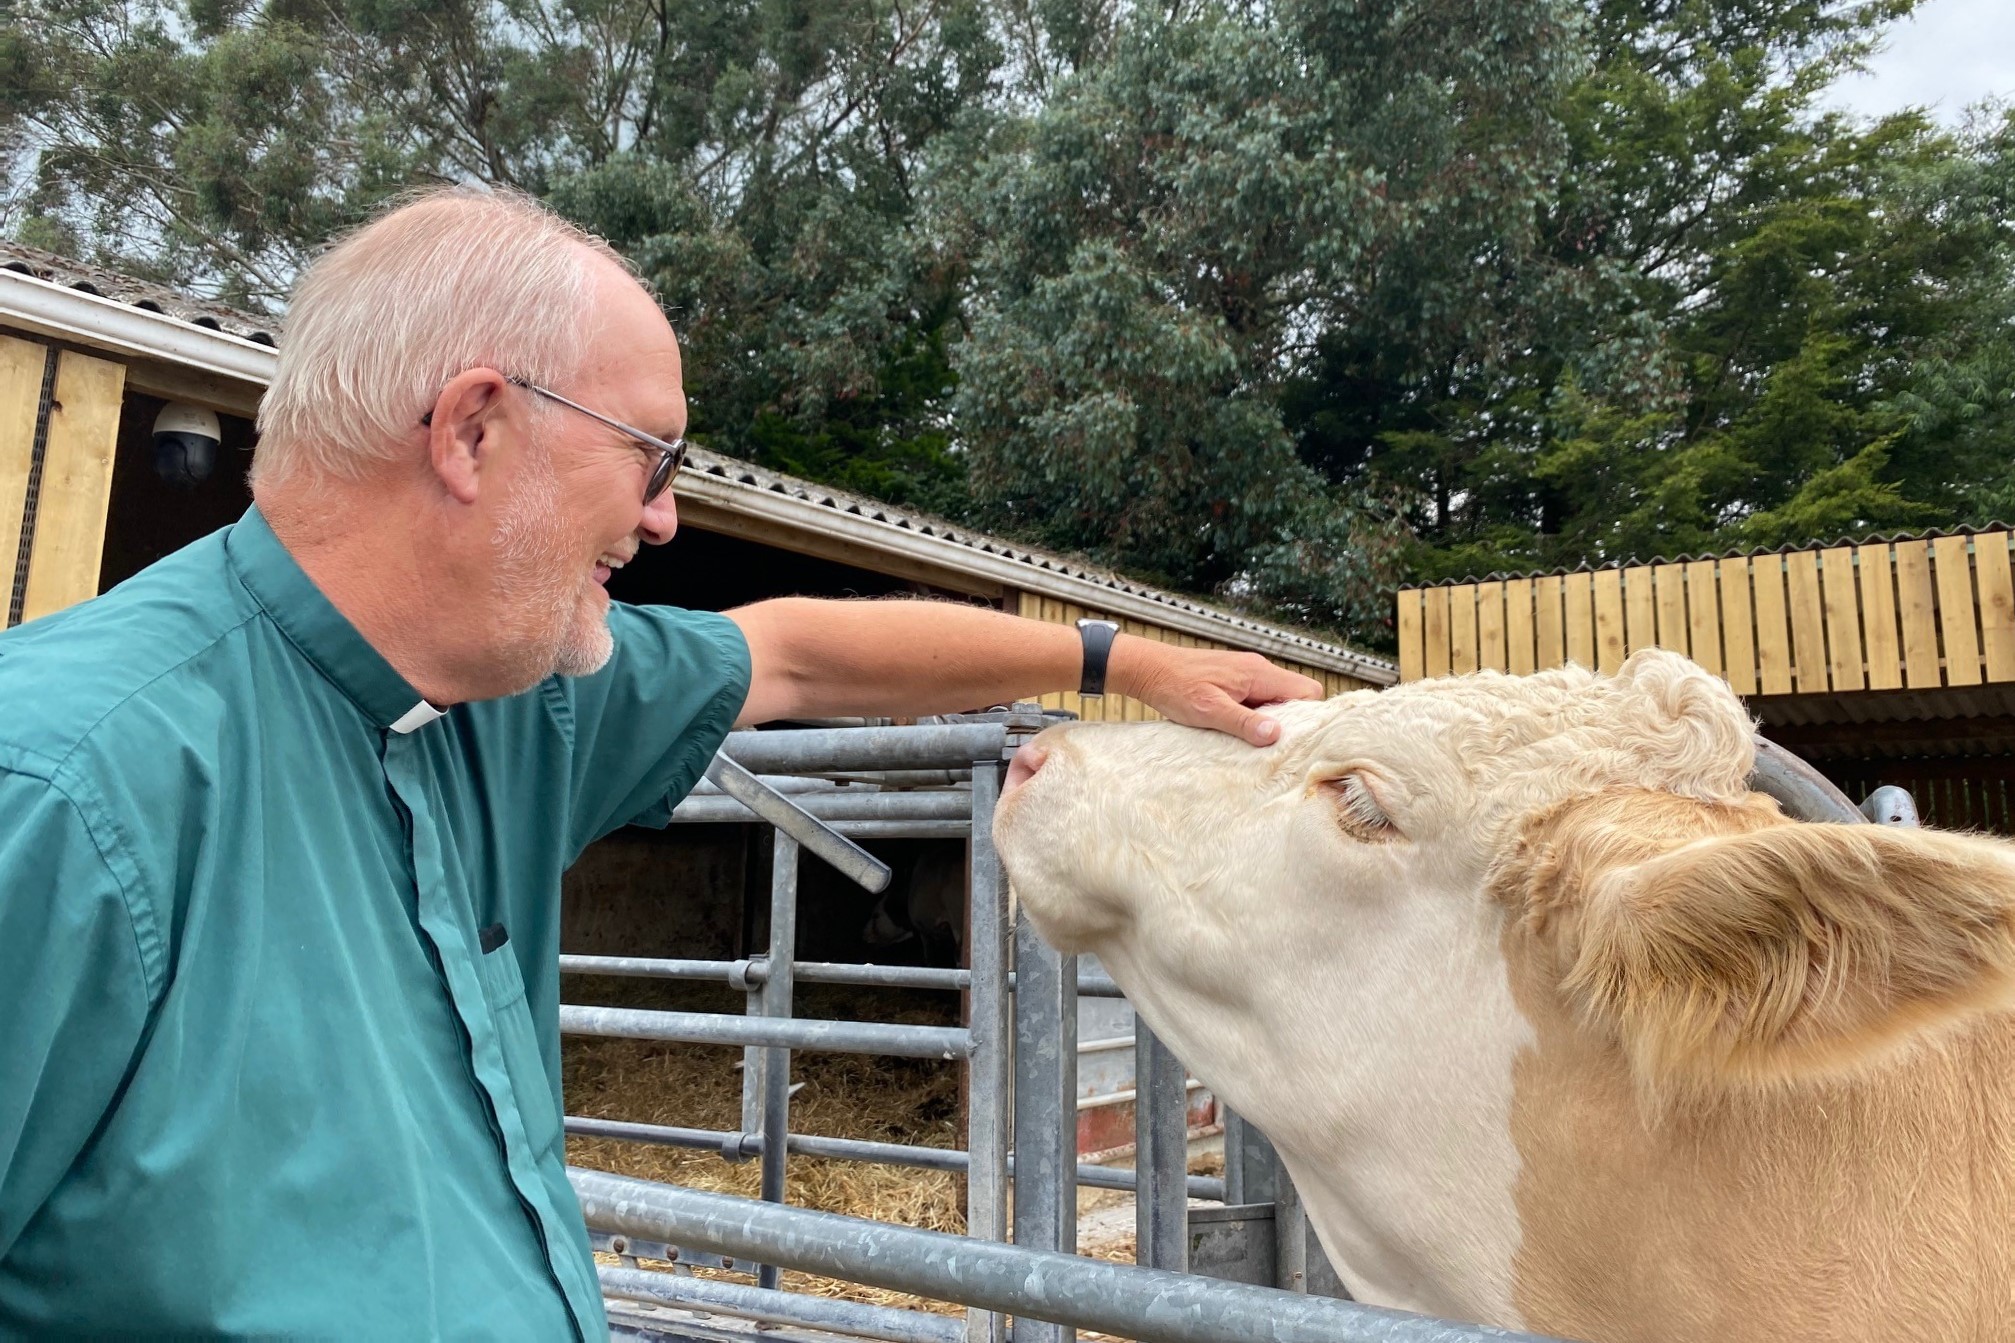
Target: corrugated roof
[(1865, 539), (1232, 624), (955, 546), (142, 294), (1946, 722)]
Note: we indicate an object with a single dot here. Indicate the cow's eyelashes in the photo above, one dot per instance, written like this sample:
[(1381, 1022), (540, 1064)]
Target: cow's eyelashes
[(1357, 807)]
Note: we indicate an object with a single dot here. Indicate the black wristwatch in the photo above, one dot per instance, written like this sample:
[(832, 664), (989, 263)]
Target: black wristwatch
[(1098, 636)]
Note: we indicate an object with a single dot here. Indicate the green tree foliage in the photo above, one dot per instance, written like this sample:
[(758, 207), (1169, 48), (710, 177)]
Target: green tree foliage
[(1275, 300), (1160, 242), (1752, 329)]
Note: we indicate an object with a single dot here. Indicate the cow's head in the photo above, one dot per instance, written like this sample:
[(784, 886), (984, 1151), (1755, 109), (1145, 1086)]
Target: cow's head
[(1388, 938)]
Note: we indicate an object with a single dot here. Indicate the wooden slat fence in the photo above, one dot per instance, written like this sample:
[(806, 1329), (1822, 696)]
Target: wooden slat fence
[(1910, 614), (1122, 708)]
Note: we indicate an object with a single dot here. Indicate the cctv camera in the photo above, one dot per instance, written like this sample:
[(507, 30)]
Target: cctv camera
[(186, 439)]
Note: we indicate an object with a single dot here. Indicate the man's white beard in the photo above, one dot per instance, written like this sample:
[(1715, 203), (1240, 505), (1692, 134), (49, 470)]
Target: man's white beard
[(550, 624)]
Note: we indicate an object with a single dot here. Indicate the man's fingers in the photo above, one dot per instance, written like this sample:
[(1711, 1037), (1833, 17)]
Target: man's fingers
[(1281, 684), (1225, 714), (1258, 729), (1224, 691)]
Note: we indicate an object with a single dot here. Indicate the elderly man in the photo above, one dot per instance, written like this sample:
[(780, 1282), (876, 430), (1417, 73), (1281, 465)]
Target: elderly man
[(285, 815)]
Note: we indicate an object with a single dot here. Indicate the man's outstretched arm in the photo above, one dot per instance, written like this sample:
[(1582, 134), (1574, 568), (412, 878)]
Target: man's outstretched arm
[(815, 658)]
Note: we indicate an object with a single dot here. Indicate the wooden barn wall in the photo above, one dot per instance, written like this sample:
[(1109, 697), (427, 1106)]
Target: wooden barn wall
[(59, 427), (1882, 616), (1122, 708)]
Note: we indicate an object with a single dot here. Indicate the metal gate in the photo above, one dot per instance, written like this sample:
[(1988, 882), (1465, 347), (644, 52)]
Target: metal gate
[(819, 789)]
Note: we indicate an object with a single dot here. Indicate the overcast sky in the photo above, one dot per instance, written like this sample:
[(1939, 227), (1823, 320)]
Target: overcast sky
[(1951, 53)]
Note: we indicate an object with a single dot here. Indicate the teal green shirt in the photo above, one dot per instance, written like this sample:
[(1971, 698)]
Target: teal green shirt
[(258, 1073)]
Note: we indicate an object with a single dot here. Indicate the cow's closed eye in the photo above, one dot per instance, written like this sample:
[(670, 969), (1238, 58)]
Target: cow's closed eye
[(1358, 809)]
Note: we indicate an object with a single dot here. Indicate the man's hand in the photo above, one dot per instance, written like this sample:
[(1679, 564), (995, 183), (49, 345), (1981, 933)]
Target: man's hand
[(1200, 687)]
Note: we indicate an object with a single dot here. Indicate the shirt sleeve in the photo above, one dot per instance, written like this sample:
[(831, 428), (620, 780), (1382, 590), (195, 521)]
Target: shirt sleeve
[(74, 996), (645, 725)]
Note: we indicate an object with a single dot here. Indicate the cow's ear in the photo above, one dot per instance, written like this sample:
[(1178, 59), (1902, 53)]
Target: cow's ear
[(1790, 951)]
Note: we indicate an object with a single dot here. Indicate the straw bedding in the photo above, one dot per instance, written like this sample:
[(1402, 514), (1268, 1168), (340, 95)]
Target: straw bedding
[(844, 1096)]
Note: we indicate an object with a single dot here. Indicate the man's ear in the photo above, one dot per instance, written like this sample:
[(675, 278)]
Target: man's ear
[(462, 427), (1790, 951)]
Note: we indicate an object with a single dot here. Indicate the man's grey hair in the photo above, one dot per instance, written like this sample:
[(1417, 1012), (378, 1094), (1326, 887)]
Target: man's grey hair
[(451, 279)]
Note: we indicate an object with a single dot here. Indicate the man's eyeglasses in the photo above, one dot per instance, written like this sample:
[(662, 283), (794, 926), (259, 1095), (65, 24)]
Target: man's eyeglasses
[(670, 455)]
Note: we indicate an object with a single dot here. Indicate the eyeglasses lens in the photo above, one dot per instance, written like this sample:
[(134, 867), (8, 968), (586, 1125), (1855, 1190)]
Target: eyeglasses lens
[(661, 475)]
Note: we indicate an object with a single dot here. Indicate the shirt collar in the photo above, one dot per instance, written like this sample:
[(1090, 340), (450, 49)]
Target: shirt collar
[(320, 632)]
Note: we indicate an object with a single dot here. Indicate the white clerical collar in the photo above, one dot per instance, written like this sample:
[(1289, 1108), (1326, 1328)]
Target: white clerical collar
[(417, 717)]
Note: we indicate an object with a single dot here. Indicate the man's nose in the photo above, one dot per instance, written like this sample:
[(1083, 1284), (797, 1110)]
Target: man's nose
[(660, 521)]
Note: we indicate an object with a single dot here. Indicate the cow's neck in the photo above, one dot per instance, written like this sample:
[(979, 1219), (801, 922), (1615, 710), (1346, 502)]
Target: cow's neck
[(1378, 1057)]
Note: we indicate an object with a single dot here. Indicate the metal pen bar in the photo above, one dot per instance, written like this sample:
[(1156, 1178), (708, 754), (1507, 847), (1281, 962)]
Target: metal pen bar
[(753, 971), (1045, 1107), (748, 1144), (714, 1028), (883, 976), (776, 1004), (773, 1307), (845, 750), (900, 778), (899, 829), (987, 1023), (1150, 1305), (603, 1242), (852, 861), (782, 783), (652, 967), (845, 805), (1161, 1153)]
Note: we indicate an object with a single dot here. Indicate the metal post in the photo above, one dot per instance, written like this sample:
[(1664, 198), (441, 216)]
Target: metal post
[(987, 1026), (1251, 1166), (1161, 1153), (754, 1057), (1290, 1239), (776, 1002), (1045, 1107)]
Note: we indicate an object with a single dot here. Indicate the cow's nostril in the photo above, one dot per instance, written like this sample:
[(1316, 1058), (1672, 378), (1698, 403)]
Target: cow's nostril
[(1026, 762)]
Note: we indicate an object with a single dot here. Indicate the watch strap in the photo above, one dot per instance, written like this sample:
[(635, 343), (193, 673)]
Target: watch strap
[(1097, 636)]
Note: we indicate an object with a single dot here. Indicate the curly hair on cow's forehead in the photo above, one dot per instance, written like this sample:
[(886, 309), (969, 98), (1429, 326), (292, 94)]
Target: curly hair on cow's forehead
[(1661, 721)]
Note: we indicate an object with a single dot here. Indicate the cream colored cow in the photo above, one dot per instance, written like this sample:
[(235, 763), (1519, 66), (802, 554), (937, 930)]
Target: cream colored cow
[(1553, 1023)]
